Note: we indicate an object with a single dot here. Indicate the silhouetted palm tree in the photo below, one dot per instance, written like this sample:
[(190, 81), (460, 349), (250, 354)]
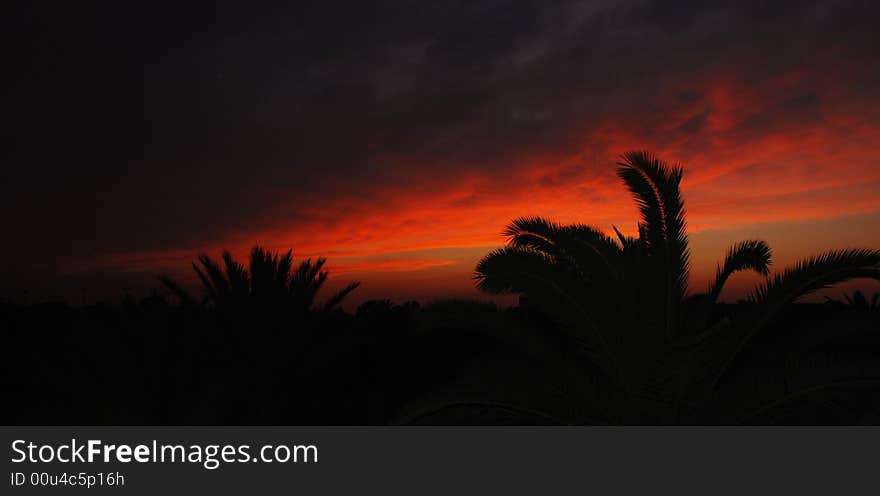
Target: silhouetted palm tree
[(857, 300), (654, 353), (270, 281)]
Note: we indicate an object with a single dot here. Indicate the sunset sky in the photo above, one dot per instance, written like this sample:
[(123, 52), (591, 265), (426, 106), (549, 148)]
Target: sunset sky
[(399, 138)]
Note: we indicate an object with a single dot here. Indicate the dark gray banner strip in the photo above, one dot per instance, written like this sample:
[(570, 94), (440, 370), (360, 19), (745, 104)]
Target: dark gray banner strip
[(441, 460)]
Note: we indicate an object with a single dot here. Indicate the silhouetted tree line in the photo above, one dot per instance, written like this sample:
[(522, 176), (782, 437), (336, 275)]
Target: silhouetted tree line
[(157, 361), (606, 331)]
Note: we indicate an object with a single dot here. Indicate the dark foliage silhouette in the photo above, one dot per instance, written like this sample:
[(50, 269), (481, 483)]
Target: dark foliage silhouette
[(271, 281), (606, 331), (857, 300), (652, 353)]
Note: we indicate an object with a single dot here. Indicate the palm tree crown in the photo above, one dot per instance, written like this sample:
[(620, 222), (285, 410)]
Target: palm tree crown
[(625, 300), (270, 281)]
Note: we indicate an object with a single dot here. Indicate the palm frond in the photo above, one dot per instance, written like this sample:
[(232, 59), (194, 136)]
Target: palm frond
[(236, 275), (589, 243), (536, 275), (533, 232), (263, 268), (625, 241), (815, 273), (858, 299), (805, 277), (213, 279), (177, 290), (515, 270), (340, 295), (647, 198), (769, 389), (586, 249), (655, 187), (746, 255), (206, 283), (282, 269), (269, 283), (307, 280)]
